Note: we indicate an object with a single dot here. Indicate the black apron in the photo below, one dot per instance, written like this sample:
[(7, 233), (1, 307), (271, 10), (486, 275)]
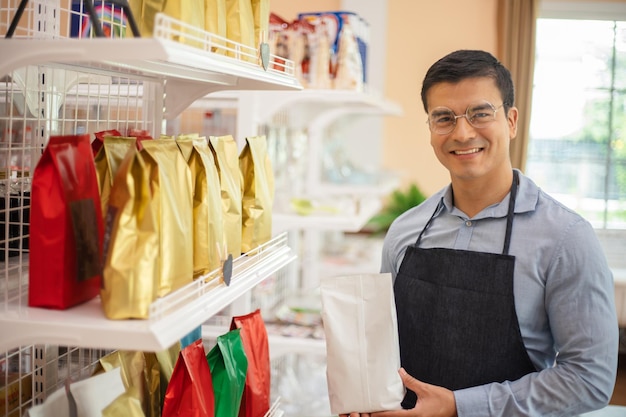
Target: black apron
[(456, 315)]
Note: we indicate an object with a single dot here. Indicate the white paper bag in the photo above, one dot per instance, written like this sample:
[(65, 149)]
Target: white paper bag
[(95, 393), (90, 395), (362, 347), (56, 405)]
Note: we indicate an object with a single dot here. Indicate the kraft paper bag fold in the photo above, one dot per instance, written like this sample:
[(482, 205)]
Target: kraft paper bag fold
[(258, 193), (362, 346)]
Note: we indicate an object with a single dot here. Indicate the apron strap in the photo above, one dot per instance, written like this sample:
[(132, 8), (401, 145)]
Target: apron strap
[(511, 213), (419, 238)]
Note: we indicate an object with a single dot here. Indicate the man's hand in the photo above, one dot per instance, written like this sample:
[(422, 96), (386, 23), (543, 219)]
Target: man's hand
[(432, 401)]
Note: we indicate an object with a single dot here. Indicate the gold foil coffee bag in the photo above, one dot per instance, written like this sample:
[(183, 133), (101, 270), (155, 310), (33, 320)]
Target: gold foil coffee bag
[(170, 181), (131, 243), (108, 160), (154, 384), (144, 12), (165, 363), (134, 376), (240, 25), (215, 22), (226, 156), (166, 360), (208, 222), (258, 193), (190, 12), (126, 405), (261, 18)]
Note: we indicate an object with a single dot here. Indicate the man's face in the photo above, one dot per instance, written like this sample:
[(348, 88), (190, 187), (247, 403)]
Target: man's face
[(469, 152)]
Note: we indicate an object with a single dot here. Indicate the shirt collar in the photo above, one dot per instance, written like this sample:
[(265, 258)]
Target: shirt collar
[(527, 197)]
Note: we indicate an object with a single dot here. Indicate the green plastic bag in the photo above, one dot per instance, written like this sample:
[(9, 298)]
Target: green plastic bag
[(229, 366)]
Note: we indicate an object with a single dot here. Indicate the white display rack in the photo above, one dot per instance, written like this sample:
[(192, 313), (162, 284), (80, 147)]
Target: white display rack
[(52, 84), (351, 220), (171, 317), (306, 108), (190, 70), (313, 103)]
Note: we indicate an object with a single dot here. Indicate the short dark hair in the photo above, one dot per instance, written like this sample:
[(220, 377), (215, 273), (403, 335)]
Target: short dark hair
[(463, 64)]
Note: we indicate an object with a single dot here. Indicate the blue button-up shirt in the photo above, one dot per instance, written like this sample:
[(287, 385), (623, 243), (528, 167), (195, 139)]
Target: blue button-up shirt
[(564, 299)]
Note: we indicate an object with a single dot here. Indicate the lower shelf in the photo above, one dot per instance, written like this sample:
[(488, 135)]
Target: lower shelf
[(171, 317)]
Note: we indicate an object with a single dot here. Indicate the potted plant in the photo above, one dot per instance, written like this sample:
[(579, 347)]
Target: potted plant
[(398, 202)]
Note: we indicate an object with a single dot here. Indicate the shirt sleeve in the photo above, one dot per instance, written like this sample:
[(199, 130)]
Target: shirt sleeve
[(386, 262), (580, 304)]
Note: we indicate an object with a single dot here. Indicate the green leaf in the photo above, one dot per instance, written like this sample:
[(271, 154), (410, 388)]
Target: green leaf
[(399, 201)]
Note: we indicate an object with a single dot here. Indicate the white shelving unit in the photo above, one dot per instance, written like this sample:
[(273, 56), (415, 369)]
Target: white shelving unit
[(311, 111), (186, 73), (152, 80), (314, 111)]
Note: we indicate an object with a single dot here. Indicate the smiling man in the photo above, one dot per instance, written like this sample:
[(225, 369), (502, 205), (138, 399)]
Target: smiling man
[(504, 296)]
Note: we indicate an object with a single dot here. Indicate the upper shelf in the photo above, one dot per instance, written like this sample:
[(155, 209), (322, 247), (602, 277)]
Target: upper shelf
[(171, 317), (190, 72), (307, 107)]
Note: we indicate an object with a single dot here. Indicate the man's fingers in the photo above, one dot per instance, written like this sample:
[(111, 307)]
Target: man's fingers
[(410, 382)]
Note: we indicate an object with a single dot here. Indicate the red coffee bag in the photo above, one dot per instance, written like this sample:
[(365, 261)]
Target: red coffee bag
[(66, 226), (256, 395), (190, 390)]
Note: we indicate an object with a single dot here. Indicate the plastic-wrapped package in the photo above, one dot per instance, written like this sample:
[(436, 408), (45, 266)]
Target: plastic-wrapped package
[(349, 74)]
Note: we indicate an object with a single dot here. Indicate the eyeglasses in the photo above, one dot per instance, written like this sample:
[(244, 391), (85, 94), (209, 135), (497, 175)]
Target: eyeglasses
[(442, 120)]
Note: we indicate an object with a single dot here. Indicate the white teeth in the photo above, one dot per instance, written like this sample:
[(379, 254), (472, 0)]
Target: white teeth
[(469, 151)]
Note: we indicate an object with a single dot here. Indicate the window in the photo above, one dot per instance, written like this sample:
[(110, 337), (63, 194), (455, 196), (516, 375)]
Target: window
[(577, 144)]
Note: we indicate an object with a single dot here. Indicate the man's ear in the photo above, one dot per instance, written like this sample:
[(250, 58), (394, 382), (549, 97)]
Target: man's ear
[(512, 117)]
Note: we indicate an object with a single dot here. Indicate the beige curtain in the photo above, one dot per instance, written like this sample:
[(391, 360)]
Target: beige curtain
[(516, 50)]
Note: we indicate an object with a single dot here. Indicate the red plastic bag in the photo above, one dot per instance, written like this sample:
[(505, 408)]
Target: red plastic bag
[(190, 390), (256, 395), (66, 230)]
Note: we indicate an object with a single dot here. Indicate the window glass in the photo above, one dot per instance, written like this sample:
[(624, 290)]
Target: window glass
[(577, 148)]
